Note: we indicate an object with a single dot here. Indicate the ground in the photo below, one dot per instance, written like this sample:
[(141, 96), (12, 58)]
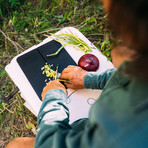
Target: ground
[(27, 25)]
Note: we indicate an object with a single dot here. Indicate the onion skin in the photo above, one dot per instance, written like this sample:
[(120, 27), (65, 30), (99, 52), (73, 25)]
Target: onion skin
[(89, 62)]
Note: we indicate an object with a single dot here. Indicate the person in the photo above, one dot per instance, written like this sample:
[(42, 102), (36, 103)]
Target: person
[(119, 118)]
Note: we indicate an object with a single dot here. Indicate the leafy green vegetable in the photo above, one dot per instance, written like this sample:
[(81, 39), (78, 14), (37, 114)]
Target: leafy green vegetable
[(69, 39)]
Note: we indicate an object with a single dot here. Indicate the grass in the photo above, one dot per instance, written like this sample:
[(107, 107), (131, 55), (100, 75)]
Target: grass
[(29, 25)]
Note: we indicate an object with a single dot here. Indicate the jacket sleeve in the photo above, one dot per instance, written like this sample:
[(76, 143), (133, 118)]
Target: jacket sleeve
[(95, 80), (53, 120), (52, 116), (54, 130), (112, 123)]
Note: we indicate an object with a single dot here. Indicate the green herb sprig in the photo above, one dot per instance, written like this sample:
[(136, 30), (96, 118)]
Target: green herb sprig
[(70, 39)]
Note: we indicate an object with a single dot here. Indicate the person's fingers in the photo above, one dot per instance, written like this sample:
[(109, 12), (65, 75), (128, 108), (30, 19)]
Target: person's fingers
[(66, 76), (53, 85), (66, 70), (69, 85), (48, 83), (45, 89), (71, 66), (43, 94)]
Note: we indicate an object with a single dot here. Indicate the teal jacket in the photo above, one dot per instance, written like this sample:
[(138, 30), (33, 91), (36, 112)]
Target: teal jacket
[(118, 119)]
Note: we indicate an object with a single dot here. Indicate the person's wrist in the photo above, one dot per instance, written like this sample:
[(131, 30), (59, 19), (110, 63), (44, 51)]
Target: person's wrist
[(83, 78), (88, 79), (55, 92), (65, 90)]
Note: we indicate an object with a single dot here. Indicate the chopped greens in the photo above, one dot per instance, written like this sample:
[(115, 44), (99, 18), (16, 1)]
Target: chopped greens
[(51, 74)]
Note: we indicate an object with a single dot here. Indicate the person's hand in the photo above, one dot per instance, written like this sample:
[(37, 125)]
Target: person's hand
[(76, 75), (53, 85)]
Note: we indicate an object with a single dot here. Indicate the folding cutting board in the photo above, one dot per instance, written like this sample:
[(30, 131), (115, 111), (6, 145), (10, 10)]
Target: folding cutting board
[(32, 62), (25, 71)]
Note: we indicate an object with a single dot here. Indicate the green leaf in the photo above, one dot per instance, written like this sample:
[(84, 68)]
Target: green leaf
[(58, 16), (109, 58), (14, 3), (2, 73), (107, 53), (0, 99), (31, 126), (106, 42)]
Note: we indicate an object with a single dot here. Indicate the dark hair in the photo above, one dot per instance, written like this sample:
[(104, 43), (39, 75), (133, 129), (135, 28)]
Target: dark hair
[(129, 21)]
